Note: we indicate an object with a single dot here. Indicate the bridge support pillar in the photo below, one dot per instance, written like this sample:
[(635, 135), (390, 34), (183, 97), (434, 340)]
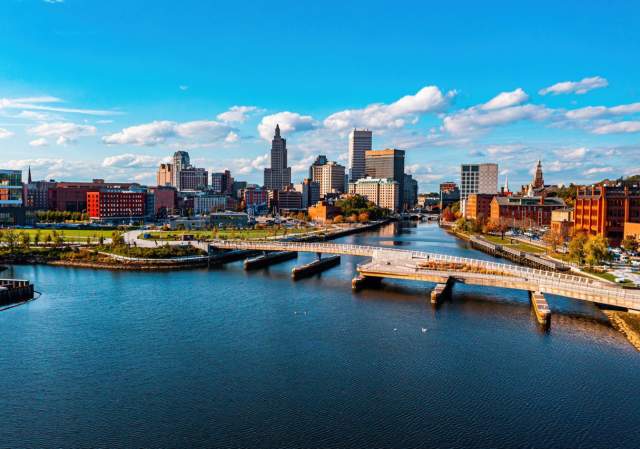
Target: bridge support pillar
[(361, 281), (441, 290), (540, 308)]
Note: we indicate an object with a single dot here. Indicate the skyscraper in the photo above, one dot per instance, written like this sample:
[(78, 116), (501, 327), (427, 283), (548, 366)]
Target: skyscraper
[(386, 164), (279, 175), (180, 162), (360, 141)]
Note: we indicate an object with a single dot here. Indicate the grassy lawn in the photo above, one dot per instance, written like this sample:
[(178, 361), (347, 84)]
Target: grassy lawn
[(521, 246), (608, 277), (227, 233), (69, 235)]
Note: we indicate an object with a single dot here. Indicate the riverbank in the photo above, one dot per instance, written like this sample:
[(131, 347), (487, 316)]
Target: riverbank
[(627, 323)]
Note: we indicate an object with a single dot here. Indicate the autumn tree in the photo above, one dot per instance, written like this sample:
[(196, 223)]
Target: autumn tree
[(576, 247), (629, 243), (596, 250)]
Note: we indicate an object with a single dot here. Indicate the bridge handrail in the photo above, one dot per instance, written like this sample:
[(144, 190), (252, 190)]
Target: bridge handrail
[(541, 276)]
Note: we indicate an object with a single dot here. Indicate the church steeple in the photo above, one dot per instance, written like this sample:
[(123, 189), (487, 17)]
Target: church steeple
[(538, 180)]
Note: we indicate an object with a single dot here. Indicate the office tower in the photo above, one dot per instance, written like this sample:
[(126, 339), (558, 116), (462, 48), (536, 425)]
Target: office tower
[(279, 175), (384, 192), (360, 141), (386, 164), (410, 193), (165, 175), (222, 182), (478, 178), (180, 162), (330, 176), (310, 191), (319, 162)]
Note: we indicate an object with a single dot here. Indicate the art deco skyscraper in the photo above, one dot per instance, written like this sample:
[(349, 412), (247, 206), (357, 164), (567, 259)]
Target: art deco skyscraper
[(279, 175)]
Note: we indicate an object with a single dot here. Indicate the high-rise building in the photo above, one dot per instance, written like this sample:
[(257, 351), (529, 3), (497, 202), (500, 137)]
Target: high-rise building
[(538, 180), (330, 177), (384, 192), (386, 164), (278, 176), (319, 162), (165, 176), (360, 141), (410, 194), (478, 178), (310, 191), (222, 182), (181, 161)]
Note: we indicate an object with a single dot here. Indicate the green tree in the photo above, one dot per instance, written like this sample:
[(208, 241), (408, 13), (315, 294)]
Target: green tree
[(596, 250), (37, 237), (630, 243), (10, 238), (25, 240), (576, 247)]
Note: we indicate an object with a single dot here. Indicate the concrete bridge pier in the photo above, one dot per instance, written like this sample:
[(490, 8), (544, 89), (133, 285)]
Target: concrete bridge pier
[(361, 281), (441, 291), (540, 308)]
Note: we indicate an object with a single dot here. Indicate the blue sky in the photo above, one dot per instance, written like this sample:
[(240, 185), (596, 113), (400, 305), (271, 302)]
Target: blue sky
[(111, 88)]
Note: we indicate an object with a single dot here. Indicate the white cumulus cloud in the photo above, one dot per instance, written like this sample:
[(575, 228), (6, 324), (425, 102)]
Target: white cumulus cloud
[(618, 128), (41, 142), (129, 160), (591, 112), (231, 137), (289, 122), (578, 87), (395, 115), (237, 114), (158, 132), (63, 132), (506, 99), (475, 118), (5, 133)]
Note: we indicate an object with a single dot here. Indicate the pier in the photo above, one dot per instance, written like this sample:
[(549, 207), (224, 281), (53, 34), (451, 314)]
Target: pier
[(441, 291), (269, 259), (317, 266), (15, 290)]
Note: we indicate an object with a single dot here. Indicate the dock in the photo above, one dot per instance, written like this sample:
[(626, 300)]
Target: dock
[(361, 281), (317, 266), (15, 290), (540, 308), (269, 259), (231, 256)]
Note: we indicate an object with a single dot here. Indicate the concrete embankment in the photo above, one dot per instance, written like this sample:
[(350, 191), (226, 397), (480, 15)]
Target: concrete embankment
[(627, 323)]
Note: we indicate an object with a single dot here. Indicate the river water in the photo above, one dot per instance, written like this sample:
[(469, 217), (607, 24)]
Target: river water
[(228, 358)]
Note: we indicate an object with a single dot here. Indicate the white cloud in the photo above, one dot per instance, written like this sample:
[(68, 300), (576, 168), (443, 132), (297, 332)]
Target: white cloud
[(597, 170), (575, 154), (43, 104), (578, 87), (157, 132), (474, 118), (64, 132), (129, 160), (5, 133), (591, 112), (618, 127), (506, 99), (237, 114), (289, 122), (232, 137), (495, 150), (41, 142), (395, 115)]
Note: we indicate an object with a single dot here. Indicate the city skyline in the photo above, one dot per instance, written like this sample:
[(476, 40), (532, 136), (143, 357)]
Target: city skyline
[(79, 116)]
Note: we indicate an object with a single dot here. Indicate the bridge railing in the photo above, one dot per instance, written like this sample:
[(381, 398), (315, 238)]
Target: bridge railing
[(550, 278)]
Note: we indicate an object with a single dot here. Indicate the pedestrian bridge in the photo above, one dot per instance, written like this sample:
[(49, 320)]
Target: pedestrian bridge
[(439, 268)]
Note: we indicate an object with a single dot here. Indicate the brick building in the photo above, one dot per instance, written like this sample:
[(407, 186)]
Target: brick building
[(116, 205), (523, 211), (605, 209), (478, 207)]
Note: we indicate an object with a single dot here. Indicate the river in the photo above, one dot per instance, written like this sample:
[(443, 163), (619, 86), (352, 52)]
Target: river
[(228, 358)]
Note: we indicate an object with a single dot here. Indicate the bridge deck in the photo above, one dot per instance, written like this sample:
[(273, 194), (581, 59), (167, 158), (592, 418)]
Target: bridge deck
[(404, 264)]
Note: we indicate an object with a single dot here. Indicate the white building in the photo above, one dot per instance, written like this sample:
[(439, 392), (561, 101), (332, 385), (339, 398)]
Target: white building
[(478, 178), (360, 141), (384, 193)]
